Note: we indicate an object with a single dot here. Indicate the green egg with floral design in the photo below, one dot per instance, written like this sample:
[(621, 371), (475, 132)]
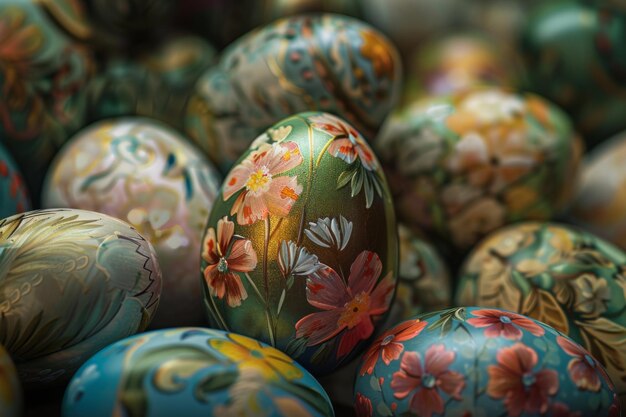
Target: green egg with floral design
[(301, 247), (466, 164), (560, 275)]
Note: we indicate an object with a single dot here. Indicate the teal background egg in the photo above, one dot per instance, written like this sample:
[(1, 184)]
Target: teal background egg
[(71, 282), (198, 371), (480, 362), (13, 193), (319, 62), (10, 390), (301, 246)]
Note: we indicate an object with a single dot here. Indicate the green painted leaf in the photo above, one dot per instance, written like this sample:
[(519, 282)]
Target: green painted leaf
[(215, 382)]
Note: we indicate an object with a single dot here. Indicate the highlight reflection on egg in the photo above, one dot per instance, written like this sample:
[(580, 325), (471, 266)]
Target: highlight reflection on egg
[(71, 282), (145, 173)]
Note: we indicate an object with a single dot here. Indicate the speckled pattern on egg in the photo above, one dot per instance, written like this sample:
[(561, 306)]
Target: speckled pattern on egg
[(559, 275), (204, 372), (145, 173), (464, 165), (320, 62), (483, 362), (301, 249), (71, 282)]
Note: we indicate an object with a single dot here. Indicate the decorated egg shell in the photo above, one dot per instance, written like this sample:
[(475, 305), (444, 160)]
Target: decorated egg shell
[(464, 165), (71, 282), (10, 390), (423, 279), (573, 52), (145, 173), (301, 249), (562, 276), (312, 62), (13, 193), (196, 371), (475, 361), (43, 70), (459, 62), (600, 203)]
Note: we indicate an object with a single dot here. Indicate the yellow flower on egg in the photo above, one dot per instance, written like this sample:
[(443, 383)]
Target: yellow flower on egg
[(250, 354)]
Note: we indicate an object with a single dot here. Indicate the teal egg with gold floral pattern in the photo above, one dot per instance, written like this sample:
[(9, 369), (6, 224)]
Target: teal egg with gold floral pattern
[(477, 361), (319, 62), (197, 371), (301, 247), (560, 275)]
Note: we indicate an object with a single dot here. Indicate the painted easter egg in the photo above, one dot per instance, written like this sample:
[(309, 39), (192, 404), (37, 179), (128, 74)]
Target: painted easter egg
[(423, 279), (459, 62), (301, 246), (562, 276), (475, 361), (10, 390), (196, 372), (71, 282), (13, 193), (464, 165), (573, 52), (600, 203), (43, 71), (145, 173), (320, 62)]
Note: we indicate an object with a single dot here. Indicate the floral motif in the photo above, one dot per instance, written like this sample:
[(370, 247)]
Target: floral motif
[(562, 410), (387, 346), (583, 369), (348, 144), (296, 260), (346, 308), (227, 255), (378, 51), (515, 380), (250, 354), (427, 380), (498, 323), (592, 294), (330, 233), (264, 192), (363, 406)]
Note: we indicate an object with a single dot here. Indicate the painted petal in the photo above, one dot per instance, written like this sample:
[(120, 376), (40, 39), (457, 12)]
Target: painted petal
[(452, 383), (326, 290), (570, 347), (426, 402), (409, 377), (328, 123), (250, 209), (246, 342), (282, 194), (283, 364), (216, 283), (536, 400), (353, 336), (229, 349), (502, 381), (437, 359), (584, 375), (370, 358), (528, 325), (508, 331), (364, 272), (363, 406), (391, 352), (381, 297), (283, 157), (547, 380), (237, 178), (242, 256), (366, 156), (225, 231), (209, 247), (235, 291), (516, 402), (518, 358), (319, 327), (408, 330), (483, 322), (343, 149), (488, 313)]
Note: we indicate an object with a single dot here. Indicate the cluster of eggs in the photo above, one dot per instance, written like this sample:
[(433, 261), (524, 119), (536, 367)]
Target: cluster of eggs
[(272, 218)]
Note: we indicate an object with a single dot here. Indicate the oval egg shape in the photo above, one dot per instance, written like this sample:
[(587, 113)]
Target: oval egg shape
[(199, 372), (480, 362), (560, 275), (10, 389), (145, 173), (469, 163), (319, 62), (71, 282), (301, 249), (13, 193)]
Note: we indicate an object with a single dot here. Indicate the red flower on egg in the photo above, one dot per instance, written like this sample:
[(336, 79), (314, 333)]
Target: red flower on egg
[(264, 192), (583, 369), (387, 346), (363, 406), (347, 309), (505, 324), (225, 257), (514, 379), (427, 380)]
